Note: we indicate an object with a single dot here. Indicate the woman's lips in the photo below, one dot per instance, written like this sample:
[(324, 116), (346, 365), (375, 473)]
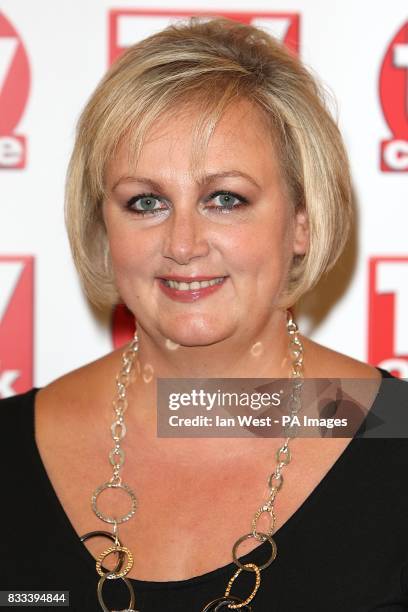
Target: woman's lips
[(180, 295)]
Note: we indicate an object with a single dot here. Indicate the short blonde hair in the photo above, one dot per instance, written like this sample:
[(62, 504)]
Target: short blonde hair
[(188, 62)]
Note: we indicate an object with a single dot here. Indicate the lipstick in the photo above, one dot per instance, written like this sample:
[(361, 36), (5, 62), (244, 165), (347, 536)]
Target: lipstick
[(189, 295)]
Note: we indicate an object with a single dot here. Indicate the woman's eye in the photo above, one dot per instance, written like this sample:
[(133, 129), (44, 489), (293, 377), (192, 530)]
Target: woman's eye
[(145, 204), (226, 201), (148, 204)]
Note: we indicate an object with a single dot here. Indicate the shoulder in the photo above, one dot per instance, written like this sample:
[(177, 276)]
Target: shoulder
[(84, 387), (71, 392), (67, 407), (323, 362)]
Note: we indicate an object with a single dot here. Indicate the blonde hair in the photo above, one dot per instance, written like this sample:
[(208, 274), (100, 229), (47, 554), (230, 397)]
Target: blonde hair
[(187, 63)]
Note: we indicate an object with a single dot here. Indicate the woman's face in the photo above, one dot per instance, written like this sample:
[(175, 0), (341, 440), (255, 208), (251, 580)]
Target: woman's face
[(232, 223)]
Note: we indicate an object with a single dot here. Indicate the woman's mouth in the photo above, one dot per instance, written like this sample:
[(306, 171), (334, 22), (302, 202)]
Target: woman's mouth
[(183, 291)]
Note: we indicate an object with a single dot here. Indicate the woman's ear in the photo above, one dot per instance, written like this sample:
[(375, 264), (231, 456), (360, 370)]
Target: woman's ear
[(301, 233)]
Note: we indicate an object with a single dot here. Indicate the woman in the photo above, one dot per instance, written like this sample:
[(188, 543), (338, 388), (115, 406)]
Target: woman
[(208, 190)]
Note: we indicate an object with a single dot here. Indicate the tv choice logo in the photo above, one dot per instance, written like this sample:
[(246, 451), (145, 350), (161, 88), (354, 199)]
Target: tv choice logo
[(16, 324), (14, 90), (394, 102), (387, 320), (127, 27)]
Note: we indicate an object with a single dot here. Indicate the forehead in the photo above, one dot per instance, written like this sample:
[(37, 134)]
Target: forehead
[(184, 145)]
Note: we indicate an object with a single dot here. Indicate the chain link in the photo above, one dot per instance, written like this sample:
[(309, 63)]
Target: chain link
[(283, 454), (275, 479), (117, 460)]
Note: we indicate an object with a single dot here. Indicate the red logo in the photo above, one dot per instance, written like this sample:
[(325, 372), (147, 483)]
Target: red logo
[(127, 27), (16, 324), (394, 102), (387, 317), (123, 326), (14, 88)]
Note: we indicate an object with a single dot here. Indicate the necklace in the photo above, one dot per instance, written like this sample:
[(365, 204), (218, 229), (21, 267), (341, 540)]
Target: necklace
[(117, 459)]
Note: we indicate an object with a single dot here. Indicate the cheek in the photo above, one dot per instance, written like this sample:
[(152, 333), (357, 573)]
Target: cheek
[(263, 248), (130, 252)]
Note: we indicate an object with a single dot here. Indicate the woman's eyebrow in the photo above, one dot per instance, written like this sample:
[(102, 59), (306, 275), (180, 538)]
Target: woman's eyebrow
[(202, 179), (137, 179), (208, 178)]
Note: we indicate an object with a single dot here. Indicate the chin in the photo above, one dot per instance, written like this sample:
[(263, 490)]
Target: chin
[(195, 333)]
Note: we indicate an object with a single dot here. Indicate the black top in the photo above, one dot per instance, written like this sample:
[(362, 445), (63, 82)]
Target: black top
[(344, 550)]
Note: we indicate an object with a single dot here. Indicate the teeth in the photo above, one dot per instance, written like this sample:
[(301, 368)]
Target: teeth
[(194, 285)]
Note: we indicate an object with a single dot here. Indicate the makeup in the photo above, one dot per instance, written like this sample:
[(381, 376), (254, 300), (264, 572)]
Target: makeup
[(177, 289)]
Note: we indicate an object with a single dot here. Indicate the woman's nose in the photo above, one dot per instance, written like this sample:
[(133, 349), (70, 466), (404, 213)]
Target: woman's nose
[(185, 236)]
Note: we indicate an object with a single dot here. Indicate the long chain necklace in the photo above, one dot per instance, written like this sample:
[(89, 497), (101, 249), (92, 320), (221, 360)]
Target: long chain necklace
[(117, 459)]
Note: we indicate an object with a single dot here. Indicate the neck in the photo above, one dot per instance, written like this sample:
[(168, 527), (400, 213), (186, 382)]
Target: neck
[(264, 354), (261, 353)]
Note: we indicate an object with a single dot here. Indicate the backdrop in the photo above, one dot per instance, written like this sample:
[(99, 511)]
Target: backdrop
[(52, 54)]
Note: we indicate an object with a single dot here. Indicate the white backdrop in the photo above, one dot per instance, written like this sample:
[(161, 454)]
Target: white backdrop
[(66, 45)]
